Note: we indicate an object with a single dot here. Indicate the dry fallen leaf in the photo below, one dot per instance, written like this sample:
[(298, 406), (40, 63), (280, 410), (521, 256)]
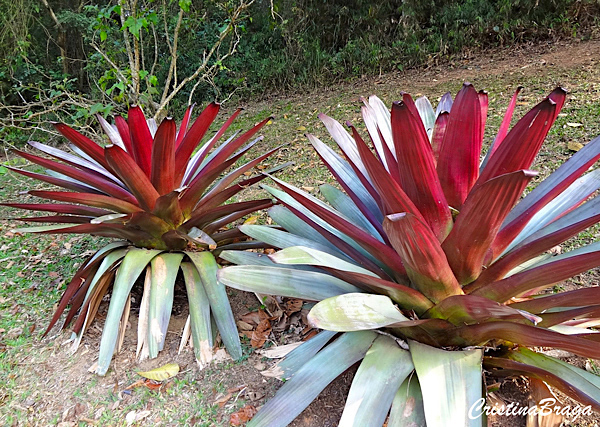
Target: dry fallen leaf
[(162, 373), (574, 125), (242, 416), (574, 146)]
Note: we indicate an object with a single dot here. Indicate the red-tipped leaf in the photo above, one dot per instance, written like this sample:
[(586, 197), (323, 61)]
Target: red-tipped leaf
[(141, 139), (133, 176), (478, 223), (422, 256), (458, 161), (416, 167), (163, 157)]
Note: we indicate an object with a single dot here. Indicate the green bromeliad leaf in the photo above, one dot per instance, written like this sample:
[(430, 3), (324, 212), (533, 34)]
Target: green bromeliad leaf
[(407, 407), (306, 384), (379, 376), (134, 262), (450, 382), (219, 302), (355, 312)]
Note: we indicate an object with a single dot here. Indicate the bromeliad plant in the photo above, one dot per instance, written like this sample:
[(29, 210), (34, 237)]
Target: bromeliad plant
[(166, 205), (429, 264)]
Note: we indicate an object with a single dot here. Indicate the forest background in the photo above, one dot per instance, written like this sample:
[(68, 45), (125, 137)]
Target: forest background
[(68, 60)]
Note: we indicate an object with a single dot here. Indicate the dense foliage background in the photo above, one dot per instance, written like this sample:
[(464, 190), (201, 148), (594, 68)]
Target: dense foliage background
[(68, 59)]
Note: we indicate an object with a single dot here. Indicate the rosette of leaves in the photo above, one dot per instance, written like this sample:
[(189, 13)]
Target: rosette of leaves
[(429, 266), (161, 194)]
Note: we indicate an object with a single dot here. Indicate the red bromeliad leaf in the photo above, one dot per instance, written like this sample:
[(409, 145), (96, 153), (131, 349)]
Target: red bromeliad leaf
[(529, 336), (94, 200), (422, 256), (394, 199), (484, 104), (69, 185), (199, 157), (503, 130), (375, 247), (216, 166), (439, 130), (86, 145), (458, 161), (588, 312), (192, 138), (87, 270), (117, 231), (58, 208), (343, 246), (123, 129), (337, 168), (523, 142), (202, 217), (167, 208), (406, 297), (546, 191), (541, 241), (163, 157), (233, 175), (544, 275), (141, 139), (61, 219), (469, 309), (234, 216), (478, 222), (184, 125), (85, 176), (513, 368), (576, 298), (229, 192), (416, 167), (133, 176)]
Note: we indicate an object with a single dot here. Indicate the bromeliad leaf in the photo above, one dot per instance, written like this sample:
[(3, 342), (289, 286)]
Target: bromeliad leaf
[(355, 312)]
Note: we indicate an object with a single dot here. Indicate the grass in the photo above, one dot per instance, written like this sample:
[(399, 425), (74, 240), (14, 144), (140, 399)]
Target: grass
[(42, 382)]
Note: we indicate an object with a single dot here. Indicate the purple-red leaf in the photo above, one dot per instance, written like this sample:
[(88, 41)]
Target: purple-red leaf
[(89, 177), (192, 138), (543, 240), (529, 336), (544, 275), (69, 185), (199, 157), (422, 256), (521, 145), (503, 130), (458, 161), (133, 176), (94, 200), (575, 298), (141, 139), (123, 129), (58, 208), (376, 248), (478, 223), (546, 191), (184, 125), (86, 145), (406, 297), (416, 167), (163, 157), (469, 309), (394, 199), (439, 130)]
